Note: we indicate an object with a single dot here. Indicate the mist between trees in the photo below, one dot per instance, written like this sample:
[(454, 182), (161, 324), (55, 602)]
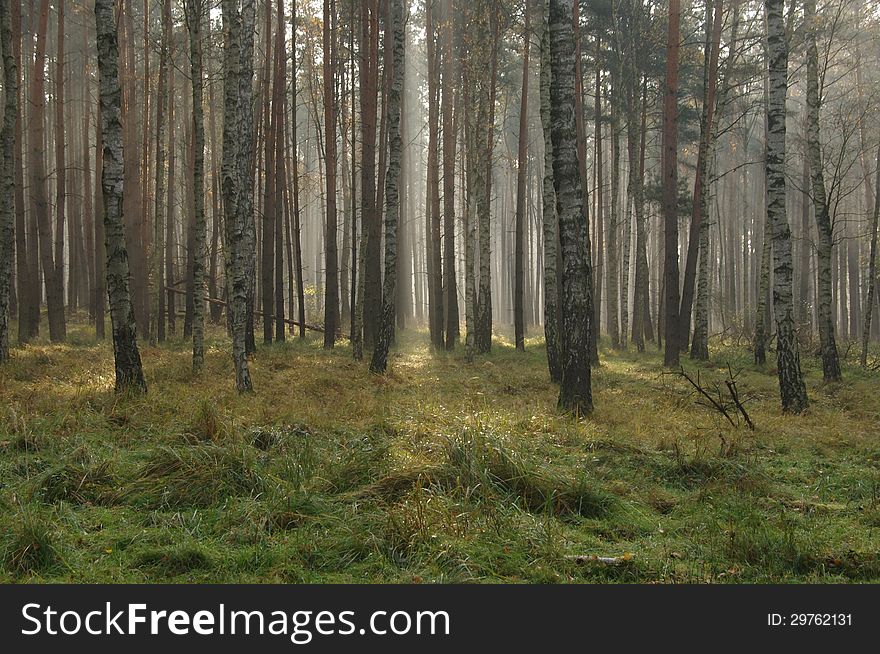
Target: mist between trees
[(652, 174)]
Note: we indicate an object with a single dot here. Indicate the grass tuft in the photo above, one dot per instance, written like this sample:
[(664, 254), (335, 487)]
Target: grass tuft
[(195, 476), (29, 546)]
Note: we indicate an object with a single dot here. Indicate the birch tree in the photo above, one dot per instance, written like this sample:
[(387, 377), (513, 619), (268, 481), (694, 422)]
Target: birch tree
[(575, 394), (792, 390), (379, 362), (129, 374), (825, 244)]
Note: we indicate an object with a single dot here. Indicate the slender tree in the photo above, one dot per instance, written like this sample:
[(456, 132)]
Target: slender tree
[(791, 383), (698, 239), (195, 12), (38, 181), (129, 374), (7, 174), (550, 225), (670, 186), (824, 224), (448, 101), (522, 154), (379, 362), (872, 267)]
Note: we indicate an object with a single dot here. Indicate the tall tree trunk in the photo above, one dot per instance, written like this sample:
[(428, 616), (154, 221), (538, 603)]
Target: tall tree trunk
[(550, 225), (246, 162), (575, 393), (762, 326), (486, 136), (129, 374), (830, 360), (331, 264), (792, 390), (60, 163), (432, 204), (38, 178), (28, 288), (278, 89), (448, 101), (371, 219), (7, 174), (699, 236), (670, 186), (195, 17), (237, 116), (379, 362), (522, 154), (158, 295)]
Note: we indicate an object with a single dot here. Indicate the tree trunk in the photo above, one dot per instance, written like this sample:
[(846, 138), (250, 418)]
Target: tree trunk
[(550, 225), (129, 374), (698, 240), (7, 174), (60, 165), (379, 362), (237, 117), (195, 11), (872, 268), (433, 255), (792, 390), (575, 393), (158, 295), (522, 154), (824, 225), (670, 186), (38, 178), (331, 264), (448, 101)]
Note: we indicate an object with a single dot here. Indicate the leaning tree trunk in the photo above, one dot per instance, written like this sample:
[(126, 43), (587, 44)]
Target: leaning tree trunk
[(830, 360), (575, 393), (129, 374), (195, 10), (792, 390), (7, 174), (379, 361), (550, 227)]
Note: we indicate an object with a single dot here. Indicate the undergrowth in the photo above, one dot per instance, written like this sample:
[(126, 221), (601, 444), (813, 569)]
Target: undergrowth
[(439, 471)]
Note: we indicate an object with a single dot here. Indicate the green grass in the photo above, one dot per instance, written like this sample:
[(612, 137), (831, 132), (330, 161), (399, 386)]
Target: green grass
[(439, 471)]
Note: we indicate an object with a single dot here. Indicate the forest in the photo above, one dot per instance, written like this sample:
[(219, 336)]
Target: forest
[(360, 291)]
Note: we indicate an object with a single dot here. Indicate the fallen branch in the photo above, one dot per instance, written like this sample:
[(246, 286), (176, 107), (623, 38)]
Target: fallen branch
[(260, 314)]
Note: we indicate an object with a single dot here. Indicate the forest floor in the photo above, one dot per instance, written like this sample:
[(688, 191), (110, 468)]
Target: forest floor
[(437, 472)]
